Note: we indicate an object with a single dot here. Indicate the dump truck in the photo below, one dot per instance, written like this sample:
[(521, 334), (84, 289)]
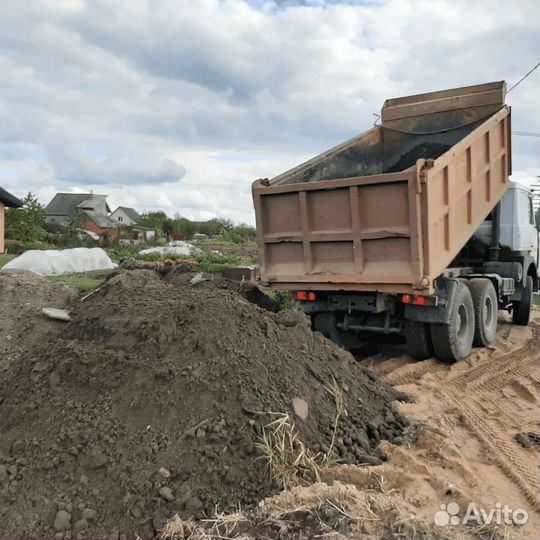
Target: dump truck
[(412, 229)]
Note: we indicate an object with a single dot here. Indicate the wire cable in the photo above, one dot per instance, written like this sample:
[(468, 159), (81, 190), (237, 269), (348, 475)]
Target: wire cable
[(523, 78), (526, 133)]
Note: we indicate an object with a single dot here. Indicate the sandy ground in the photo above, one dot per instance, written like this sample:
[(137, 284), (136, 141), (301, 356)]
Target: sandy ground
[(472, 411)]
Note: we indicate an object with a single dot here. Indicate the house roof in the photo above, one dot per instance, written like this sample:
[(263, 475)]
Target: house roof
[(7, 199), (101, 220), (93, 201), (130, 212), (66, 204)]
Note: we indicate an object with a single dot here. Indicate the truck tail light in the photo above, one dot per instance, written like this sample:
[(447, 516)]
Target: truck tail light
[(304, 296), (419, 300)]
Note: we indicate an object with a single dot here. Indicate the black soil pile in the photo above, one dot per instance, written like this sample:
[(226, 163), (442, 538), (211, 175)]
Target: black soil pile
[(22, 325), (151, 400), (426, 150)]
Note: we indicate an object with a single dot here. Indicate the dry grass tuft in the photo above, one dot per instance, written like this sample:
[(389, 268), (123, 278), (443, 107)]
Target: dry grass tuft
[(339, 511), (367, 513), (288, 459), (225, 526), (339, 400), (176, 527)]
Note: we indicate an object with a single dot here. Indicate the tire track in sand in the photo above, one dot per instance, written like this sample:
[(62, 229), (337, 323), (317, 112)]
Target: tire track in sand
[(501, 451), (474, 389), (480, 388), (410, 373), (490, 373)]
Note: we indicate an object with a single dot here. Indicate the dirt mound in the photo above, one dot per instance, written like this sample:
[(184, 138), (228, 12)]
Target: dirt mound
[(150, 403), (22, 295)]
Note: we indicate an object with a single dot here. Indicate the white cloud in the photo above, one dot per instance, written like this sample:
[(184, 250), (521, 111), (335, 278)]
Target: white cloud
[(181, 105)]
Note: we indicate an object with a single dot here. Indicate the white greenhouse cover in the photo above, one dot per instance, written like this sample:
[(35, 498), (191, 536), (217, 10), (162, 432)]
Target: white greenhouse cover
[(178, 247), (53, 262)]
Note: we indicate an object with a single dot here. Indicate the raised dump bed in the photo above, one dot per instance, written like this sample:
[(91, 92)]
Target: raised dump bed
[(390, 209)]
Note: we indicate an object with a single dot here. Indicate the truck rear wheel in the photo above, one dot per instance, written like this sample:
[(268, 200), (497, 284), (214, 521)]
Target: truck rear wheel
[(486, 308), (418, 336), (521, 311), (326, 324), (454, 341)]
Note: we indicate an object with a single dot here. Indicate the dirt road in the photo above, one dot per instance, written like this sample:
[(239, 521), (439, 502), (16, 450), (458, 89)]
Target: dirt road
[(474, 410)]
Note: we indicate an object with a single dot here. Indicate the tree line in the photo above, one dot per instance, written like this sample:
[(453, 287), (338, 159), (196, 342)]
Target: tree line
[(28, 225), (186, 228)]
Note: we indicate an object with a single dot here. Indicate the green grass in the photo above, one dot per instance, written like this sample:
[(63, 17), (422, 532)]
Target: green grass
[(222, 242), (4, 259), (536, 299), (125, 252), (208, 261), (214, 262), (283, 298), (84, 282)]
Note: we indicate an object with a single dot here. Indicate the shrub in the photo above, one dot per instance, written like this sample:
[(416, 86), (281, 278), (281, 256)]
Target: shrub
[(16, 248)]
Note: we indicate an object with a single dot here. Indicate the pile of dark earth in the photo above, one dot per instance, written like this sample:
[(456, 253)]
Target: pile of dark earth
[(150, 403)]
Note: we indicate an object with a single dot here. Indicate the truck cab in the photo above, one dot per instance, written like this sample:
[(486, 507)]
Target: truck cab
[(518, 227), (519, 235)]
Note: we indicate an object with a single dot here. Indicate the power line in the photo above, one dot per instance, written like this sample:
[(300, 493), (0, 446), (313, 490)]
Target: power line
[(523, 78), (526, 133)]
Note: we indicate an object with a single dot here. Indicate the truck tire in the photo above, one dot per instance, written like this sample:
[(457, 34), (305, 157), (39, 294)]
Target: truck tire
[(418, 336), (521, 311), (486, 309), (454, 341), (326, 324)]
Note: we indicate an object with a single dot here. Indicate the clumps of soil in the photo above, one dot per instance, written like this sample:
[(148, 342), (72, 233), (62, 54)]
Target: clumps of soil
[(179, 272), (528, 440), (151, 401), (22, 296)]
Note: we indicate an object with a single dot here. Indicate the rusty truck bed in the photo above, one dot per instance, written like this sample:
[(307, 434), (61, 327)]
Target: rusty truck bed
[(389, 210)]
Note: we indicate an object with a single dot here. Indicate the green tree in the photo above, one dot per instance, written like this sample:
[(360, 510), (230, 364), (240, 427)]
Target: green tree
[(26, 224), (211, 227), (78, 220), (246, 231), (168, 228), (153, 220), (226, 224), (185, 227)]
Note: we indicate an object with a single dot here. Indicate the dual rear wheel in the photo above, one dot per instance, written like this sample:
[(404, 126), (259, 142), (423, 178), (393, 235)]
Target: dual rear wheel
[(326, 324), (473, 320)]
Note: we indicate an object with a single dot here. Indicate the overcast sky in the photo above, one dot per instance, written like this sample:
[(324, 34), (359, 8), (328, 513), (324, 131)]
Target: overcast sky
[(180, 104)]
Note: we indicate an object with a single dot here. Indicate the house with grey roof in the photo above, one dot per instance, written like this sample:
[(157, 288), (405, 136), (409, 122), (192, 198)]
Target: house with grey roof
[(125, 216), (88, 211), (65, 206)]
